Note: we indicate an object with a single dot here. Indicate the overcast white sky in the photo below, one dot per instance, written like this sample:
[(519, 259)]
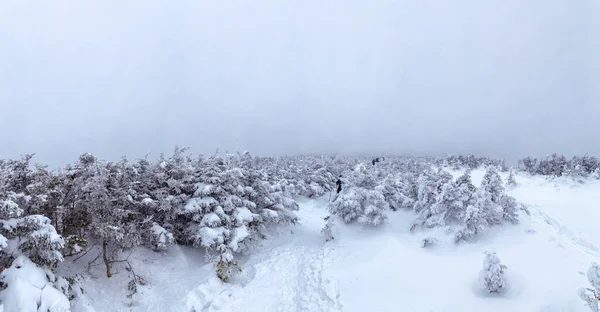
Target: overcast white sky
[(508, 78)]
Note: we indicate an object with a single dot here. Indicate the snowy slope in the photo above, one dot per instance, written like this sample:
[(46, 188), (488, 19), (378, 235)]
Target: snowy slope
[(385, 268)]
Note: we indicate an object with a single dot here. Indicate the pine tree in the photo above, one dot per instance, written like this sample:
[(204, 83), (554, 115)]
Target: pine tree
[(480, 214), (327, 231), (591, 295), (358, 204), (492, 183), (492, 274), (436, 193), (510, 181)]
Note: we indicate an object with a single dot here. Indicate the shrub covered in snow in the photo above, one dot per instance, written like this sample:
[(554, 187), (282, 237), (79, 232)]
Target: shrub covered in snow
[(591, 295), (556, 165), (231, 207), (362, 205), (27, 289), (327, 231), (492, 274), (428, 241), (470, 162)]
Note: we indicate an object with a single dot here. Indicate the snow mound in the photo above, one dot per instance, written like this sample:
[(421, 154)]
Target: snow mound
[(28, 289)]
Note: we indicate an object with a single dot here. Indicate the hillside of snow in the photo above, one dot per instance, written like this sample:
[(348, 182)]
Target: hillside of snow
[(385, 268)]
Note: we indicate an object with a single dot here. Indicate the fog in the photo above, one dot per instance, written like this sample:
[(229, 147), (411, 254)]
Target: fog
[(501, 78)]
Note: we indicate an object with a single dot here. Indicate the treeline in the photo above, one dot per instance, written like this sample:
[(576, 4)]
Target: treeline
[(558, 165)]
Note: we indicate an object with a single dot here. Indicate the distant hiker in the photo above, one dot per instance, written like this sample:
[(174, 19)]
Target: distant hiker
[(339, 184), (376, 160)]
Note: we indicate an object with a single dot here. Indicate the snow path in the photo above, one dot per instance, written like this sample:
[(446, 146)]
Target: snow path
[(570, 208), (562, 230), (298, 270)]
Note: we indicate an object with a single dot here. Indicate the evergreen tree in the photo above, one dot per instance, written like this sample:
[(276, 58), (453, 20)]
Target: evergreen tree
[(510, 181), (591, 295), (492, 274)]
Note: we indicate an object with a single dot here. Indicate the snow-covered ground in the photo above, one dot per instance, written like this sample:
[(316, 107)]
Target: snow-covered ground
[(384, 268)]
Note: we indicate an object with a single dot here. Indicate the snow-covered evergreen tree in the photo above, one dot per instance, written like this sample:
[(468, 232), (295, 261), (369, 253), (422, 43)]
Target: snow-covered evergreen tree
[(596, 174), (232, 207), (492, 184), (396, 192), (32, 236), (327, 231), (362, 205), (492, 274), (480, 214), (430, 206), (464, 182), (510, 210), (510, 181), (591, 295)]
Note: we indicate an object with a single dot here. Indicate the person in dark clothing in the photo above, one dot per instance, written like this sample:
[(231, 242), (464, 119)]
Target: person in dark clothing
[(376, 160), (339, 184)]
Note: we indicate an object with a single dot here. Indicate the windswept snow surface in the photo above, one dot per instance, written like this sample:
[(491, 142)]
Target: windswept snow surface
[(385, 268)]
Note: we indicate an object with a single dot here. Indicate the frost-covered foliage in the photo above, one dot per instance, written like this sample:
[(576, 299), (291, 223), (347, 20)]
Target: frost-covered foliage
[(22, 230), (470, 162), (232, 205), (488, 205), (591, 295), (438, 200), (362, 205), (327, 231), (510, 181), (558, 165), (492, 274)]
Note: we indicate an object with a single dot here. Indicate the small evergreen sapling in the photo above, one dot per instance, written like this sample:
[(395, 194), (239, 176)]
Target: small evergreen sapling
[(327, 231), (492, 275), (510, 181), (428, 241)]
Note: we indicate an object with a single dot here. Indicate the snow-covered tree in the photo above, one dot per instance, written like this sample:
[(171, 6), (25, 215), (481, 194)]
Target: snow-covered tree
[(430, 206), (480, 214), (464, 181), (362, 205), (395, 190), (510, 181), (492, 274), (510, 210), (596, 174), (232, 206), (428, 241), (327, 231), (591, 295), (492, 184), (29, 235)]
